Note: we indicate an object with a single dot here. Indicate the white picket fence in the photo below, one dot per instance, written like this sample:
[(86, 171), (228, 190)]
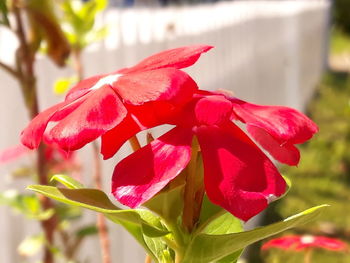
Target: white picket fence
[(268, 52)]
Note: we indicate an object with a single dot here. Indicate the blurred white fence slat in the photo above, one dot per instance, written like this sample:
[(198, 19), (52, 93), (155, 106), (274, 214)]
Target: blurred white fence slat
[(269, 52)]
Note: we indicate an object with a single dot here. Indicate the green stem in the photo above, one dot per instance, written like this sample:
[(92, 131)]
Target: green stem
[(194, 189), (178, 242)]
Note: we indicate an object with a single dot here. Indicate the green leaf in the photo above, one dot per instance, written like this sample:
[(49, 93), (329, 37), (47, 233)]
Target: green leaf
[(67, 181), (224, 224), (137, 222), (211, 248), (209, 212), (157, 229), (167, 203), (98, 201), (232, 258), (157, 246), (68, 212)]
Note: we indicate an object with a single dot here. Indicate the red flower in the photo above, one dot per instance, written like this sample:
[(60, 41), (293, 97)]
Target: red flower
[(298, 243), (100, 103), (238, 176)]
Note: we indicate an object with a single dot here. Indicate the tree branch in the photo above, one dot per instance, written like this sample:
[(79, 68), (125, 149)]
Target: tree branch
[(9, 70)]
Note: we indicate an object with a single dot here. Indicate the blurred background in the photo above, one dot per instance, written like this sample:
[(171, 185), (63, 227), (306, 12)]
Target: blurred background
[(293, 53)]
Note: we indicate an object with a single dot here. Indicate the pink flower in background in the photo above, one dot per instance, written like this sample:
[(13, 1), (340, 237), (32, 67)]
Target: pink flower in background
[(13, 153), (98, 104), (58, 160), (298, 243), (238, 176)]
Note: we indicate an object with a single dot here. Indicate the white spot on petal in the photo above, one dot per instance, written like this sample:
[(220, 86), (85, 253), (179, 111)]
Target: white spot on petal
[(307, 239), (108, 80)]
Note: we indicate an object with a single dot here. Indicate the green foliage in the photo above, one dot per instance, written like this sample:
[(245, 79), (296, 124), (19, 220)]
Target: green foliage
[(340, 42), (209, 248), (26, 204), (79, 20), (220, 238), (3, 13), (167, 203), (67, 181)]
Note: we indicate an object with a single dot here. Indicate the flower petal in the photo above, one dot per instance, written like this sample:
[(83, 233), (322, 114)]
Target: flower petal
[(282, 123), (101, 111), (13, 153), (113, 139), (163, 84), (212, 110), (173, 58), (330, 243), (140, 118), (141, 175), (285, 153), (82, 87), (285, 243), (237, 174), (31, 136)]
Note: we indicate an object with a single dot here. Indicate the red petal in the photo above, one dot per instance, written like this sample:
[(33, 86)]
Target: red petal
[(330, 243), (113, 139), (286, 242), (238, 175), (68, 108), (212, 110), (144, 173), (162, 84), (282, 123), (173, 58), (140, 118), (82, 87), (33, 133), (13, 153), (101, 111), (285, 153)]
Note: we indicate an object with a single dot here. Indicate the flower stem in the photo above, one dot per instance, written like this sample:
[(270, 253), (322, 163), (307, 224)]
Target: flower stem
[(135, 144), (307, 255), (194, 189), (148, 259)]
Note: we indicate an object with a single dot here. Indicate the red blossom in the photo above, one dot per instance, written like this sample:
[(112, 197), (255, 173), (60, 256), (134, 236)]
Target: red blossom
[(238, 176), (98, 104), (298, 243)]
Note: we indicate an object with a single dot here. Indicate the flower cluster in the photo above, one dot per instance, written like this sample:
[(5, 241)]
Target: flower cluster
[(238, 175)]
